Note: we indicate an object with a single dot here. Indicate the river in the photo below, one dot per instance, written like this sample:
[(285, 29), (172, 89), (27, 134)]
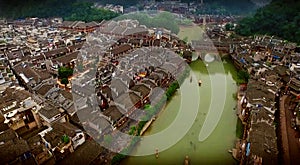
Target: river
[(220, 125)]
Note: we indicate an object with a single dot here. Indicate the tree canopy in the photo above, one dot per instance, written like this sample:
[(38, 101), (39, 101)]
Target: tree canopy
[(68, 9), (65, 72), (228, 7), (279, 18), (64, 81), (243, 76), (210, 6)]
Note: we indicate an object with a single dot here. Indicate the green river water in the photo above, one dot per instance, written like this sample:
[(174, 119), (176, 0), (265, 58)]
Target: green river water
[(216, 78)]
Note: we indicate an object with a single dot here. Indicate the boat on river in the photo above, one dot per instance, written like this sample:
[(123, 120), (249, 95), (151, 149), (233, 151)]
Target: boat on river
[(186, 160), (199, 82)]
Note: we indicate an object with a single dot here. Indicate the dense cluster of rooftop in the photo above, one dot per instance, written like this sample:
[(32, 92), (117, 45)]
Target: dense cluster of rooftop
[(269, 62), (127, 60)]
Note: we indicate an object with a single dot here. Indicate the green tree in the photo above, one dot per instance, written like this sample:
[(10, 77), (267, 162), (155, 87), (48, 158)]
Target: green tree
[(147, 106), (64, 81), (279, 18), (65, 72), (132, 130), (68, 9), (172, 89), (229, 26), (65, 139), (243, 76)]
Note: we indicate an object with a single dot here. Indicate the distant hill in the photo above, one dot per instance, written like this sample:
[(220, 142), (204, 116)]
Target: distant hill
[(68, 9), (229, 6), (73, 9), (280, 18)]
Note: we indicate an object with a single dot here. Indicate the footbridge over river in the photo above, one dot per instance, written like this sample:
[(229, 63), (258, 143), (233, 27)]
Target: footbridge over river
[(207, 56)]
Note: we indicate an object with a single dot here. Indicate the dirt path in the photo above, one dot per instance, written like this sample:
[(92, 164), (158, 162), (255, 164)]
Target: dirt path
[(284, 136)]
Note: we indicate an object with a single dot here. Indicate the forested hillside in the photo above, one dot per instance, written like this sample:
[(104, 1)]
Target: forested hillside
[(210, 6), (68, 9), (280, 18), (78, 9)]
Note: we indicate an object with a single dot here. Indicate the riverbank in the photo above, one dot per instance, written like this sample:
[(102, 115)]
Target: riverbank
[(147, 125), (212, 150)]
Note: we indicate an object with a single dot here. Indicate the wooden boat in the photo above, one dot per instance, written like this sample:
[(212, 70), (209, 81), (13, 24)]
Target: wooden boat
[(186, 160), (199, 82)]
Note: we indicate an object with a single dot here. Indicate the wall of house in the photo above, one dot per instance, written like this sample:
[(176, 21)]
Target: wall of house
[(17, 125), (78, 140)]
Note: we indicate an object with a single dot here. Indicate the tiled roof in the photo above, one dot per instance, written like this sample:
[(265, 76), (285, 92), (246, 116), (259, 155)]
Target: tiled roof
[(143, 89), (44, 89), (263, 142), (49, 111), (127, 100), (114, 112), (65, 59)]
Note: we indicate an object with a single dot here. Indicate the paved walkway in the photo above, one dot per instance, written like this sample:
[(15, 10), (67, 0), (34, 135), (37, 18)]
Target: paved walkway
[(290, 142), (284, 136)]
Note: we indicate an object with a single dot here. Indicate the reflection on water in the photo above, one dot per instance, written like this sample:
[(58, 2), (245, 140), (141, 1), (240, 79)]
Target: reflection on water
[(214, 149)]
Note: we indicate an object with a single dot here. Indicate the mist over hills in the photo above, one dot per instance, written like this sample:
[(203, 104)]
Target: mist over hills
[(65, 8)]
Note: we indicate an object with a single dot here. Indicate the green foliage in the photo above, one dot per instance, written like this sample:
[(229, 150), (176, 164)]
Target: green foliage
[(132, 130), (64, 81), (228, 7), (125, 3), (268, 63), (162, 20), (67, 9), (234, 96), (147, 106), (151, 111), (280, 18), (185, 22), (65, 72), (8, 70), (243, 76), (229, 26), (172, 89), (239, 129), (65, 139), (85, 12), (140, 126), (210, 7), (275, 123)]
